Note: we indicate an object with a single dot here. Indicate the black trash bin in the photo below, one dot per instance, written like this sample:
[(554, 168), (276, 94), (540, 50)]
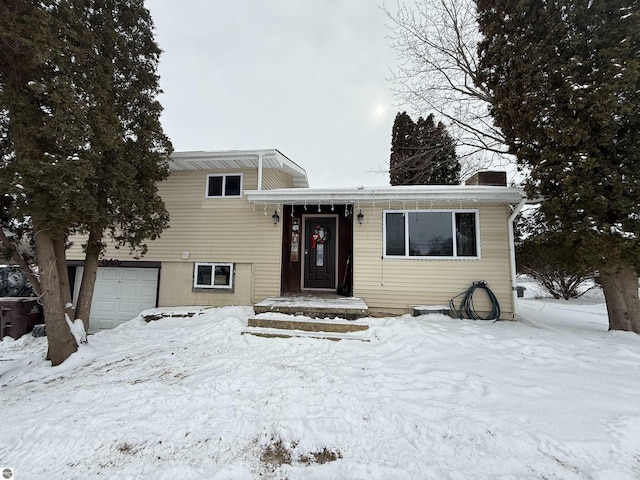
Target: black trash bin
[(520, 290), (18, 315)]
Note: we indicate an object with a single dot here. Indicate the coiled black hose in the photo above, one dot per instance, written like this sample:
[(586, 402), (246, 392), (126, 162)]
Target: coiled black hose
[(467, 310)]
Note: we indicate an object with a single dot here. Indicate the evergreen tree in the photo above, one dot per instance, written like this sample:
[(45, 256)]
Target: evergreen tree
[(81, 146), (437, 151), (565, 83), (42, 130), (422, 153), (402, 149), (128, 144)]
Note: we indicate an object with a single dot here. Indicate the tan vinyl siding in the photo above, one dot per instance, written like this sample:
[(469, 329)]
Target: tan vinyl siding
[(176, 287), (273, 178), (212, 230), (396, 284)]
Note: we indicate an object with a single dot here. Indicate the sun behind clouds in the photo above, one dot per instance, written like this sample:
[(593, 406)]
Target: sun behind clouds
[(378, 111)]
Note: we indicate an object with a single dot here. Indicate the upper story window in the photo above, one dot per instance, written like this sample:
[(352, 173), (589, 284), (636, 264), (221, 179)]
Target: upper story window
[(224, 185), (431, 234)]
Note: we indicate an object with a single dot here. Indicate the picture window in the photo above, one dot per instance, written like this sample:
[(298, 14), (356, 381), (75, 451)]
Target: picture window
[(431, 234)]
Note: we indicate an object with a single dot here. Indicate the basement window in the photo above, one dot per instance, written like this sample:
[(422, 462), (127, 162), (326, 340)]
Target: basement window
[(431, 234), (224, 185), (213, 275)]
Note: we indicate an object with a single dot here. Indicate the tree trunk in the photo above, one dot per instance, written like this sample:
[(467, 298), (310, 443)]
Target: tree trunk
[(62, 343), (85, 296), (620, 285), (63, 276)]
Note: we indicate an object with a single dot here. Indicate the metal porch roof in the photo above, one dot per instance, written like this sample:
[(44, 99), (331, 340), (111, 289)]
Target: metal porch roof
[(414, 193)]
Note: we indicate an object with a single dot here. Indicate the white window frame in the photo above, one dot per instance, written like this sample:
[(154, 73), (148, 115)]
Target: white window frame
[(406, 255), (213, 266), (224, 185)]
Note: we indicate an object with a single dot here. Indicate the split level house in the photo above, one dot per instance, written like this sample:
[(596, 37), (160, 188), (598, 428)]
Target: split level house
[(245, 226)]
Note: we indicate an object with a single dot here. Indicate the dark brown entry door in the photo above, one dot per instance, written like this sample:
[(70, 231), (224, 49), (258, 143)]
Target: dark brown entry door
[(320, 252)]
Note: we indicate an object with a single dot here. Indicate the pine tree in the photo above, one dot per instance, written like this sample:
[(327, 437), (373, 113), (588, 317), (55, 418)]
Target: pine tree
[(422, 153), (565, 82), (81, 146)]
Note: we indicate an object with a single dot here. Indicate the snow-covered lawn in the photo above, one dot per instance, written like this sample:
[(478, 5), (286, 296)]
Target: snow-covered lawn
[(554, 396)]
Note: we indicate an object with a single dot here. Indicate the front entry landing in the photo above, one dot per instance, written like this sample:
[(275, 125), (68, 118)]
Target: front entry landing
[(349, 308)]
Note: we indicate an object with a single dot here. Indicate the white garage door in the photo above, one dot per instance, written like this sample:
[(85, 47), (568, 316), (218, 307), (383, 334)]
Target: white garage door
[(120, 294)]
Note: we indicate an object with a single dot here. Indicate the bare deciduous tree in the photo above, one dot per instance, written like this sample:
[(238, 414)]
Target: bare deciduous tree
[(437, 41)]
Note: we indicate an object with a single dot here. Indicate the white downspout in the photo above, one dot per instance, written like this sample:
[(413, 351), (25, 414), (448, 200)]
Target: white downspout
[(260, 171), (512, 254)]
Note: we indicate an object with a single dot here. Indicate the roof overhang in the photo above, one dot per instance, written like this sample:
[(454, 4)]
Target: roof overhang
[(453, 194), (238, 159)]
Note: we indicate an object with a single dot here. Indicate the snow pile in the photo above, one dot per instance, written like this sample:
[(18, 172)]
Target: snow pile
[(554, 396)]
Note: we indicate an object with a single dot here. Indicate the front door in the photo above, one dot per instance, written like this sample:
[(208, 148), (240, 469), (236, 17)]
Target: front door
[(320, 252)]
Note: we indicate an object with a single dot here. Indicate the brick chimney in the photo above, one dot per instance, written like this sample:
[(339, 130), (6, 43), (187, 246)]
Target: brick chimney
[(488, 177)]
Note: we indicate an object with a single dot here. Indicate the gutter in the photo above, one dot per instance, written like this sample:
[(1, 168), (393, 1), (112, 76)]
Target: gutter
[(410, 195), (512, 254)]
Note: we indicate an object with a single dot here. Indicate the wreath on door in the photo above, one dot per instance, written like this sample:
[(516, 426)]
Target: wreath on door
[(320, 236)]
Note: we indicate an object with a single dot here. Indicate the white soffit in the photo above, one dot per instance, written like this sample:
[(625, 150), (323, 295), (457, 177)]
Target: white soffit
[(238, 159), (417, 193)]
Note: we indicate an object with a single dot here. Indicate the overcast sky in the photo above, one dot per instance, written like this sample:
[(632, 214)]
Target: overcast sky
[(308, 77)]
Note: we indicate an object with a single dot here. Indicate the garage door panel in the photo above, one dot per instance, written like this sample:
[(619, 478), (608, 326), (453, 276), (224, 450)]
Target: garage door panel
[(129, 308), (109, 274), (130, 275), (150, 275), (103, 306), (104, 289), (130, 291)]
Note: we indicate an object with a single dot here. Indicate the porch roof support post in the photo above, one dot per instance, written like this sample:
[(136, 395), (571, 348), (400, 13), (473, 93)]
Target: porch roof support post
[(259, 171)]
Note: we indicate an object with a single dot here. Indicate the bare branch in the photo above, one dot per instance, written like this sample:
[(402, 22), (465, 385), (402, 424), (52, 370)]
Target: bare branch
[(436, 40)]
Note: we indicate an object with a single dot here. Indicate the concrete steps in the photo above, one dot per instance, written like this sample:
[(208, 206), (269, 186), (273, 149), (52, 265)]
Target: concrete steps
[(277, 325), (323, 316)]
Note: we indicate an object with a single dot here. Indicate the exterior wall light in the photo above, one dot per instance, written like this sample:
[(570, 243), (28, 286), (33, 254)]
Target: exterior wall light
[(275, 217), (360, 217)]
